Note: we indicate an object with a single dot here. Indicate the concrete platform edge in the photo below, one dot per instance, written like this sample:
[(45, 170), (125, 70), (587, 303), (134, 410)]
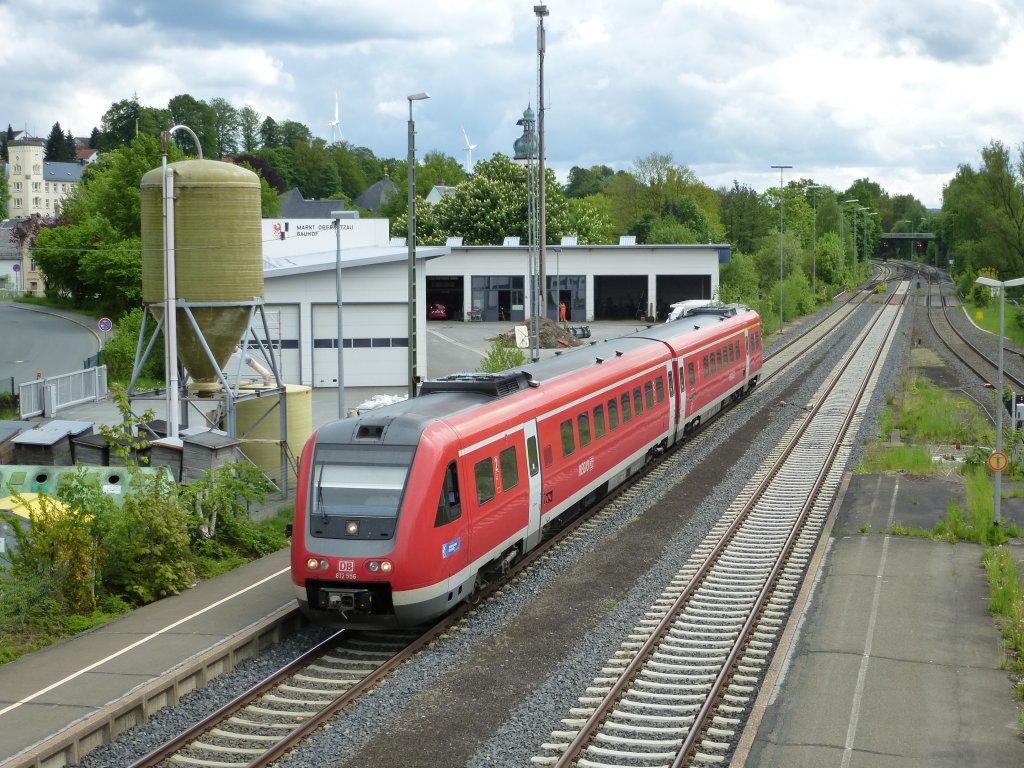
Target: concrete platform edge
[(76, 740)]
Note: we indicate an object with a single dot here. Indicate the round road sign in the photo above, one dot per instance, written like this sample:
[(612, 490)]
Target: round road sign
[(105, 324), (997, 461), (16, 267)]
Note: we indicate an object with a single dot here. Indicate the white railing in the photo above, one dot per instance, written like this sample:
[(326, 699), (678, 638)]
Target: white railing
[(45, 397)]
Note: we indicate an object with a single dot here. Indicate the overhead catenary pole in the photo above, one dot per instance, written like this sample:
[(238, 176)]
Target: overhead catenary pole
[(814, 243), (782, 226), (541, 11), (842, 217), (336, 215), (411, 242)]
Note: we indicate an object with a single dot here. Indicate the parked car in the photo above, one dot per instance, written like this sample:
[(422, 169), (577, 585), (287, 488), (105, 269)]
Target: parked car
[(437, 312)]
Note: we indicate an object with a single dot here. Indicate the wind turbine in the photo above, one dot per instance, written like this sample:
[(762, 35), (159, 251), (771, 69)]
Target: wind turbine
[(335, 123), (469, 151)]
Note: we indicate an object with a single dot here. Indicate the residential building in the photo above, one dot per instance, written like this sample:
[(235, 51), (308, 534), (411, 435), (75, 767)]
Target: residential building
[(36, 185)]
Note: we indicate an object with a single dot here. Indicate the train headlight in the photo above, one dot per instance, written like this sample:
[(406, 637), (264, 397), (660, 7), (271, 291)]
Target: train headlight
[(352, 528), (379, 566), (316, 564)]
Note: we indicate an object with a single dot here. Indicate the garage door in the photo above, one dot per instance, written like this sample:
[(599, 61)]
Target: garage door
[(376, 345)]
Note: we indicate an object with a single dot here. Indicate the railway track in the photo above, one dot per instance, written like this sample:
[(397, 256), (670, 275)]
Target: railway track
[(961, 347), (678, 690), (261, 726)]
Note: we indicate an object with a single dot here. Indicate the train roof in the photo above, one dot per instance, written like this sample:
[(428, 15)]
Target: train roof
[(403, 422)]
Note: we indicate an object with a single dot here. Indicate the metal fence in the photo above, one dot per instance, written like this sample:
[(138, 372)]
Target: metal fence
[(45, 397)]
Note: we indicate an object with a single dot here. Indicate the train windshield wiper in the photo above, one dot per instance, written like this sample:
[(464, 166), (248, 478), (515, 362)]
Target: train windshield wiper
[(320, 506)]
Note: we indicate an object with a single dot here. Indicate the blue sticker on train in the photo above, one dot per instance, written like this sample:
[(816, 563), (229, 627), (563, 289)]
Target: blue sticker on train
[(451, 547)]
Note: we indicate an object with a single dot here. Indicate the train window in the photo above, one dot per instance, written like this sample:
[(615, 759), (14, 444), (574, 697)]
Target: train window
[(531, 455), (649, 394), (714, 367), (484, 471), (638, 401), (568, 439), (627, 412), (449, 507), (613, 414), (730, 353), (706, 369), (737, 350), (509, 468), (690, 375), (659, 387), (583, 425), (599, 421), (718, 355)]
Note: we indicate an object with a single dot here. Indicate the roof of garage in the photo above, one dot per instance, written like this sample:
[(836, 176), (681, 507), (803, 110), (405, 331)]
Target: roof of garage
[(324, 261)]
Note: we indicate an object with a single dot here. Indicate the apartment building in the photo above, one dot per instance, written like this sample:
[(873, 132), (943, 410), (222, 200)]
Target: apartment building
[(36, 185)]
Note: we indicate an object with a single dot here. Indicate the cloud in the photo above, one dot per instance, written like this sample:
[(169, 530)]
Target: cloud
[(902, 93)]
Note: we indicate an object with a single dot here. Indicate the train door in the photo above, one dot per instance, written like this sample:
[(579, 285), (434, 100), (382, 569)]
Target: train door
[(533, 467), (675, 396)]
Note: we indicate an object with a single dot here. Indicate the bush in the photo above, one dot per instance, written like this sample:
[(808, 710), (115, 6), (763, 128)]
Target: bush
[(146, 543), (503, 355), (118, 354)]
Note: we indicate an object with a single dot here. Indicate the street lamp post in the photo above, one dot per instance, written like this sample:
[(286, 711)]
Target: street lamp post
[(864, 226), (782, 224), (411, 238), (1002, 286), (336, 215), (867, 253), (814, 243), (842, 217)]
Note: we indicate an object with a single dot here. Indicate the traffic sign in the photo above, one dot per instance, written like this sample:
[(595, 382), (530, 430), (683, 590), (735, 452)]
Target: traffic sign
[(104, 324), (16, 267), (997, 461)]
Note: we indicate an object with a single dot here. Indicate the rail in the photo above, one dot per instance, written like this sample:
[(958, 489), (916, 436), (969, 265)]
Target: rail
[(45, 397)]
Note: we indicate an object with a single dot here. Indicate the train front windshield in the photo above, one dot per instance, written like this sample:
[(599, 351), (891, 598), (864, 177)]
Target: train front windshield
[(357, 483)]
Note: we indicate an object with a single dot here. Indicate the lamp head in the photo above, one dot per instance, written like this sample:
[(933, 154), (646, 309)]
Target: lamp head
[(418, 96)]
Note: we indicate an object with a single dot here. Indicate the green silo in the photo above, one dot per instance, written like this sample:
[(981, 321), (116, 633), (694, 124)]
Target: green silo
[(218, 257)]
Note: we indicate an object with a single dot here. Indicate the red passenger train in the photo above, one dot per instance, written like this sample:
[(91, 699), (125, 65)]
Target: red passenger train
[(402, 512)]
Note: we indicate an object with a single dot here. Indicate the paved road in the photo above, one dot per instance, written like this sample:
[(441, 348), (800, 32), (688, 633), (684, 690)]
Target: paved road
[(32, 341)]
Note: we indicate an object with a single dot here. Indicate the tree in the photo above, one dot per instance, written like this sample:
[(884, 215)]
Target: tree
[(227, 121), (746, 216), (293, 133), (56, 149), (201, 118), (983, 212), (119, 124), (110, 186), (249, 128), (584, 182), (4, 195), (493, 204), (270, 133)]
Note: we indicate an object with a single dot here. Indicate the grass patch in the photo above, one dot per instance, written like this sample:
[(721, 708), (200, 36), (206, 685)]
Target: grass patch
[(1006, 593), (881, 457), (928, 414)]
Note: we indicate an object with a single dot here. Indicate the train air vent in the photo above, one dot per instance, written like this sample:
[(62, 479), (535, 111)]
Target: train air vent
[(492, 384), (727, 310), (369, 431)]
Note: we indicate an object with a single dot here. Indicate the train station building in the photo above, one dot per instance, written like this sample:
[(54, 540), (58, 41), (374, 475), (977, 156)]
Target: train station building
[(301, 259)]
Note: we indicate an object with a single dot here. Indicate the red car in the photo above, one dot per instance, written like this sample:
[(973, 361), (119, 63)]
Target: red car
[(437, 312)]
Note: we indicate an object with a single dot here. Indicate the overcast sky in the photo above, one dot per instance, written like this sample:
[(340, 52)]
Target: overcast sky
[(900, 92)]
